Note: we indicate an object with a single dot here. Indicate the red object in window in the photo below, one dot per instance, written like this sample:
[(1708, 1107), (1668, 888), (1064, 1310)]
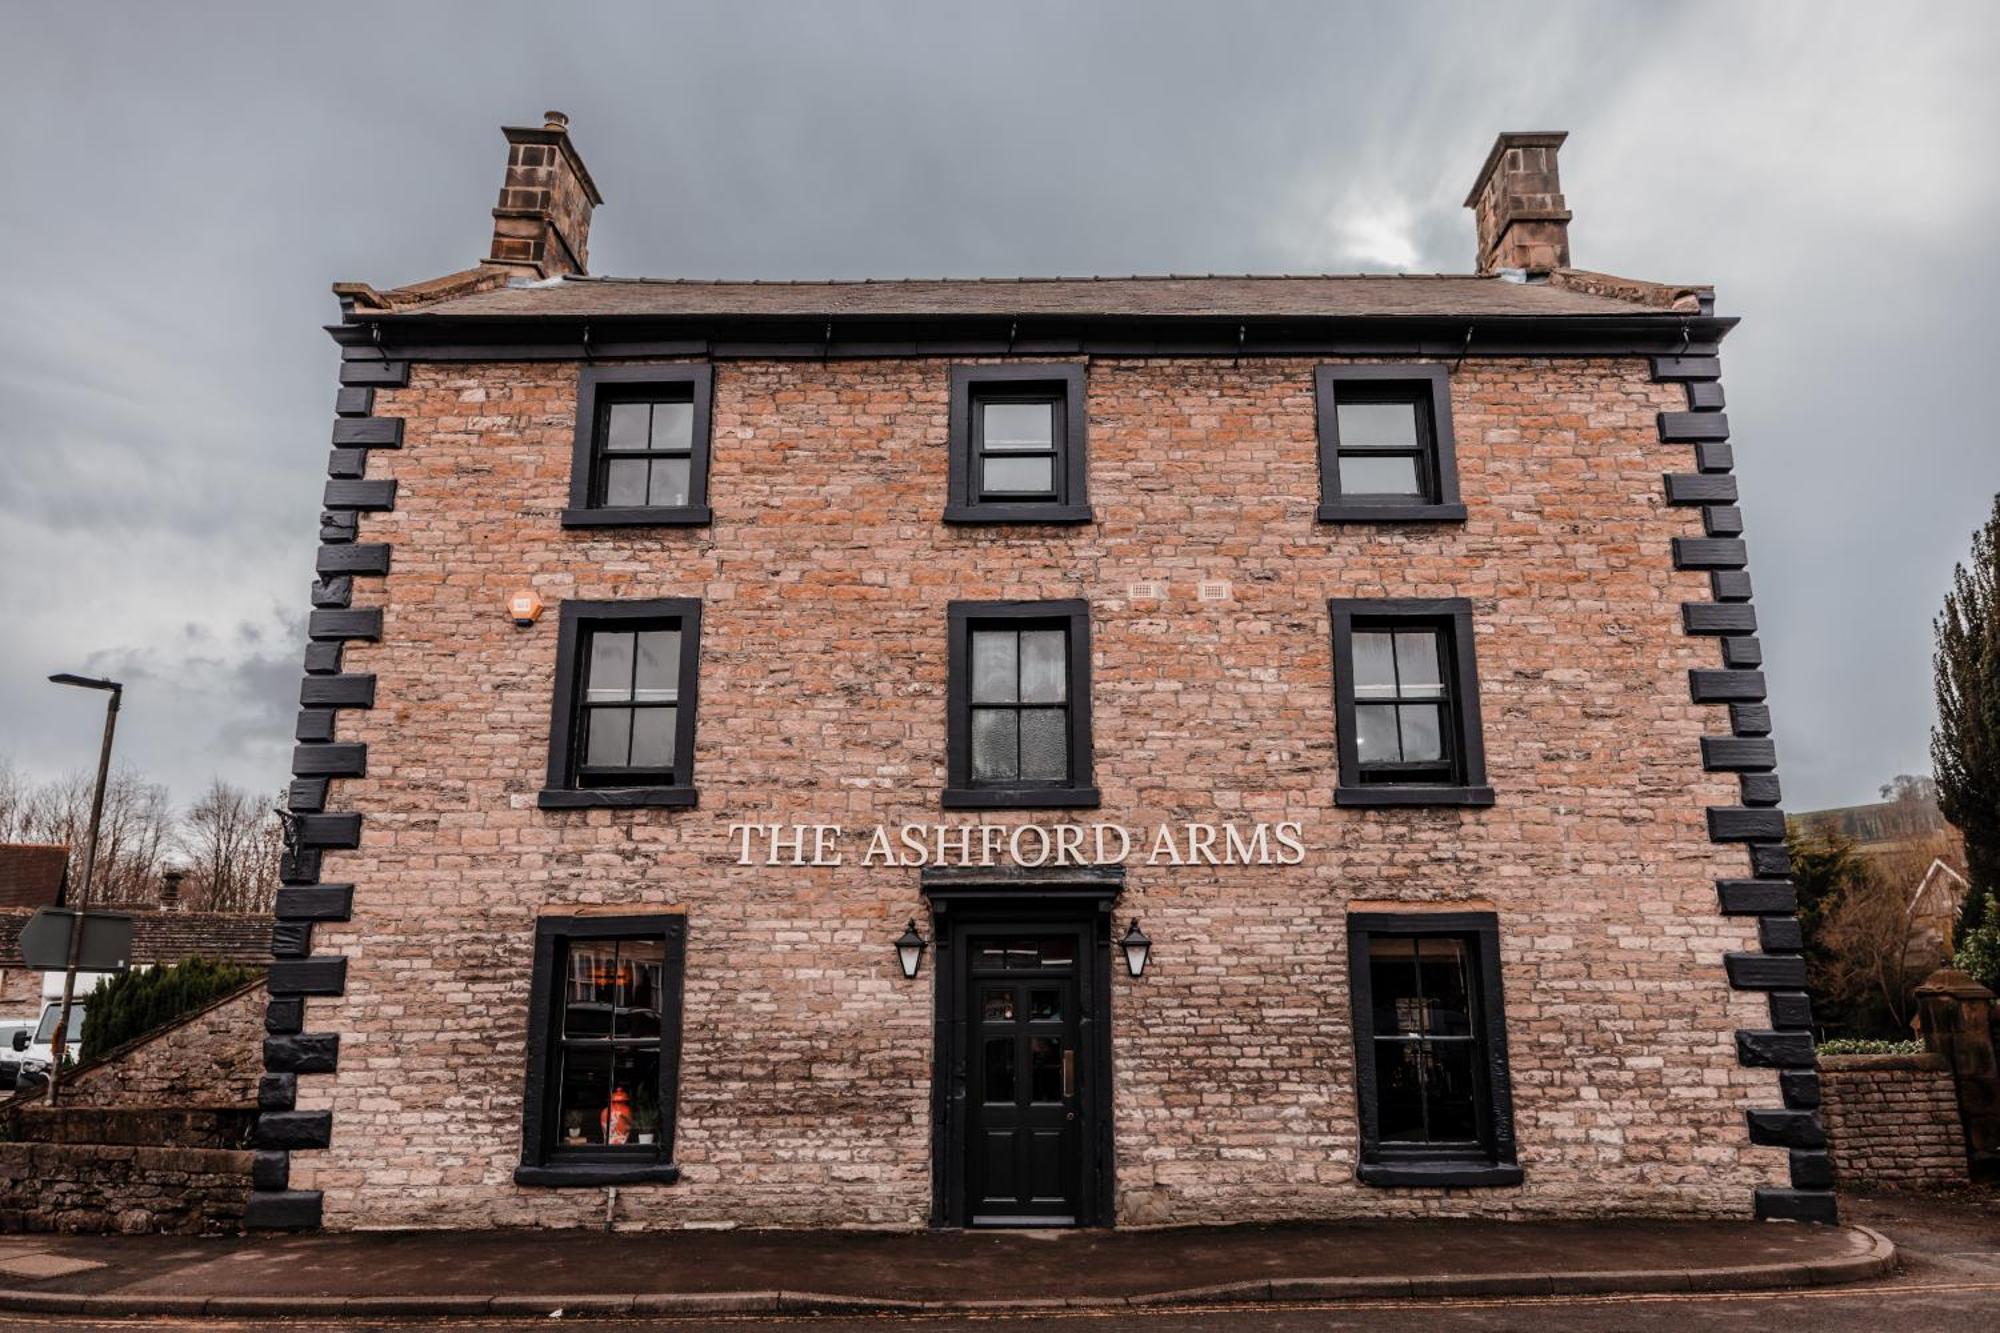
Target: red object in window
[(616, 1119)]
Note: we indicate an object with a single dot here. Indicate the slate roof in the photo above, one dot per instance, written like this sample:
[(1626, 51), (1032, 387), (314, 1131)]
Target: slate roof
[(31, 874), (168, 937), (1212, 296)]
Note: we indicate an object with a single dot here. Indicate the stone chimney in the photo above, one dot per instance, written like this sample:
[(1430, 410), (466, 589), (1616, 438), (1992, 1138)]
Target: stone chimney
[(1517, 205), (170, 889), (542, 224)]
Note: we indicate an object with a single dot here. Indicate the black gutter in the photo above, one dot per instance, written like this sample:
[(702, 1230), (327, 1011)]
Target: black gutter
[(421, 337)]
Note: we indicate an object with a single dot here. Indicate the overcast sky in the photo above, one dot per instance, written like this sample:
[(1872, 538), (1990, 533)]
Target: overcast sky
[(179, 184)]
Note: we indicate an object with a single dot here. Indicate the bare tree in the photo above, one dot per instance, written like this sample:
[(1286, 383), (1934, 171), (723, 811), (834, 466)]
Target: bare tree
[(132, 837), (14, 791), (232, 843), (1874, 947)]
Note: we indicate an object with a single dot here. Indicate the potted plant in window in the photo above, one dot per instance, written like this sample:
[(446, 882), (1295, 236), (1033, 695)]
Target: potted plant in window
[(645, 1124)]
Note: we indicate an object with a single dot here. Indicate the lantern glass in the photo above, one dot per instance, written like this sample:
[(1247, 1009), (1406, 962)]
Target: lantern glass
[(1137, 948), (910, 950)]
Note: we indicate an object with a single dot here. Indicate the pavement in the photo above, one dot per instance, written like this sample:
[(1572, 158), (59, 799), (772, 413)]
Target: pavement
[(358, 1276)]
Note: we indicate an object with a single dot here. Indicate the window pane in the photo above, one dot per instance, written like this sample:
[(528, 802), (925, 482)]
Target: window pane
[(610, 667), (1399, 1091), (659, 670), (1392, 985), (1031, 475), (585, 1095), (1019, 426), (1449, 1088), (995, 756), (994, 679), (1044, 1005), (1423, 738), (1377, 425), (633, 1114), (1375, 734), (1044, 657), (642, 968), (998, 1006), (590, 989), (1445, 968), (625, 481), (1417, 668), (625, 426), (999, 1069), (1388, 474), (1052, 951), (673, 426), (670, 482), (1045, 1069), (653, 737), (1044, 744), (608, 739), (1374, 665)]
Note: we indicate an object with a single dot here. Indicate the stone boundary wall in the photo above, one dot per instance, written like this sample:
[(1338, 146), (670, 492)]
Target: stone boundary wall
[(148, 1139), (209, 1058), (128, 1188), (1893, 1121)]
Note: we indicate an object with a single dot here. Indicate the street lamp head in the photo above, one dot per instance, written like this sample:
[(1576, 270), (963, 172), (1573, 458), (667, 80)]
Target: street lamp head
[(85, 682)]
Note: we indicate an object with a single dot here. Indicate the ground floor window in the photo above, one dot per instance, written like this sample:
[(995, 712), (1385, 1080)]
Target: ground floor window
[(1431, 1049), (603, 1050)]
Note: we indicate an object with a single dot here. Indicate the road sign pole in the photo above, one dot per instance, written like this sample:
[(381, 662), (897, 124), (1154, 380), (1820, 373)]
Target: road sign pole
[(59, 1044)]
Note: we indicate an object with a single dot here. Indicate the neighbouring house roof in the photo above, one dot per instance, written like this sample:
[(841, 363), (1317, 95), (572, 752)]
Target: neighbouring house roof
[(31, 874), (1570, 292), (163, 938), (1939, 892)]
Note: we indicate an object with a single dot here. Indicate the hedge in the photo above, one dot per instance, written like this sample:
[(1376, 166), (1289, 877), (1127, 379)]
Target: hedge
[(131, 1004)]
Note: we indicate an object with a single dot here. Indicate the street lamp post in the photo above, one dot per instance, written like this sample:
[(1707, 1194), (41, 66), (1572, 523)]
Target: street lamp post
[(59, 1043)]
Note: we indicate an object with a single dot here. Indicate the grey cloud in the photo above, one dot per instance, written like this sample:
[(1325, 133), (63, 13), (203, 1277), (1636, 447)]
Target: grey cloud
[(182, 182)]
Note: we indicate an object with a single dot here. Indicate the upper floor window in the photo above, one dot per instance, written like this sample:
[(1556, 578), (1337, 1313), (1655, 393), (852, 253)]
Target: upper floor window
[(1385, 444), (621, 731), (604, 1035), (1019, 700), (1431, 1049), (642, 446), (1017, 445), (1406, 704)]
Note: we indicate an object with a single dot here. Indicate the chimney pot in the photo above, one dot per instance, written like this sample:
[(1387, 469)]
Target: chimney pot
[(170, 889), (541, 225), (1517, 205)]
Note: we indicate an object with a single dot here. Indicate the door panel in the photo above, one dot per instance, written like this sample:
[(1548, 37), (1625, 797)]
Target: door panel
[(1026, 1099)]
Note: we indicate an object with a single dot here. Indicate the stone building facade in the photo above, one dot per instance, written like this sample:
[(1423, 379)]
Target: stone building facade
[(1375, 653)]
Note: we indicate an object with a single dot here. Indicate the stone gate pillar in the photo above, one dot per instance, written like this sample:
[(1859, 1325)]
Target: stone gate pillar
[(1958, 1024)]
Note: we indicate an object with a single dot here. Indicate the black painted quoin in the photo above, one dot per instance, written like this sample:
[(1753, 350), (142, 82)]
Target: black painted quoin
[(297, 974), (1778, 968)]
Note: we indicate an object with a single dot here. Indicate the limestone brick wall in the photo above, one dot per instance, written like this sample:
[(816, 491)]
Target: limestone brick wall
[(806, 1073)]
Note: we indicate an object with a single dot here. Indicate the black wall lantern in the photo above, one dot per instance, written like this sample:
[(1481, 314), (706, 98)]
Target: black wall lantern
[(910, 949), (1137, 948)]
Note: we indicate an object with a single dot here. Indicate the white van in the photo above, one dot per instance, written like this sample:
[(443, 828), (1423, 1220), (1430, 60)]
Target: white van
[(36, 1050)]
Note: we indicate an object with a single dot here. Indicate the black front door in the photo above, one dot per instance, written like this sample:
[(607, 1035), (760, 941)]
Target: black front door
[(1025, 1072)]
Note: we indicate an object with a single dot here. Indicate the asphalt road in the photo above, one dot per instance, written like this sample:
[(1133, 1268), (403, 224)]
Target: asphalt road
[(1950, 1283)]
